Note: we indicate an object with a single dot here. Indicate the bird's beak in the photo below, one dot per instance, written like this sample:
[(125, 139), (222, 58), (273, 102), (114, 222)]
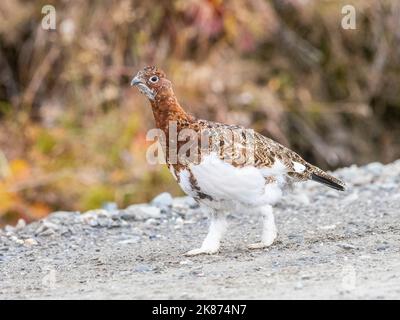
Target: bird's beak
[(140, 82), (136, 80)]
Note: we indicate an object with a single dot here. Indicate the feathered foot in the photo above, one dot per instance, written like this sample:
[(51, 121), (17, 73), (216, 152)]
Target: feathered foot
[(269, 233), (212, 242)]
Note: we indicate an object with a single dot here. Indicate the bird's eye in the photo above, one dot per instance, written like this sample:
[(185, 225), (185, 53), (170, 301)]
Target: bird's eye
[(154, 79)]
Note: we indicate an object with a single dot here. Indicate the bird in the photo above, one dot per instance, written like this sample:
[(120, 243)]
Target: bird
[(230, 168)]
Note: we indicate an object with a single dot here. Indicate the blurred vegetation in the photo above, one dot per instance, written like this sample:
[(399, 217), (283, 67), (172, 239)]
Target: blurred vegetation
[(72, 131)]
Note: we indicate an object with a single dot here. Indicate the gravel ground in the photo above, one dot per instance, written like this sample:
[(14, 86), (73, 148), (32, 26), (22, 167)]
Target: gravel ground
[(340, 245)]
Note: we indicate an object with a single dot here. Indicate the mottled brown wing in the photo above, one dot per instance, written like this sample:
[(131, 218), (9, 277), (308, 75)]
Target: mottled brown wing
[(234, 142), (268, 151), (241, 147)]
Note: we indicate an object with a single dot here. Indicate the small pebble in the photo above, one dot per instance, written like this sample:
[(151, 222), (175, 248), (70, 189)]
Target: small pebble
[(30, 242), (347, 246)]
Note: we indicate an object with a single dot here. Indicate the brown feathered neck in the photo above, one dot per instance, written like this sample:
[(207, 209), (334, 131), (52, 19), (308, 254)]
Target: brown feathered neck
[(166, 108)]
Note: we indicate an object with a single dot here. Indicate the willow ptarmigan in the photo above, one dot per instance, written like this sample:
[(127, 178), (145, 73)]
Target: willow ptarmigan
[(223, 167)]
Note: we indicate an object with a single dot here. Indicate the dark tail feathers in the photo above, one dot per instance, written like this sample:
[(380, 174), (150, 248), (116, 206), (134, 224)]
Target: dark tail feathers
[(328, 180)]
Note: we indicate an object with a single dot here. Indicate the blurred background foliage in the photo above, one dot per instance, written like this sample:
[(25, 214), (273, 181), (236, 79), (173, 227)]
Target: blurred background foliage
[(72, 131)]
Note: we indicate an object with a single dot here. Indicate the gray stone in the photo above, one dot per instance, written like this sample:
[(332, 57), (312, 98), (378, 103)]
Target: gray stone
[(163, 201), (347, 246), (63, 215), (375, 168), (46, 228), (110, 206), (143, 268), (9, 229), (140, 212), (185, 202), (132, 240), (20, 224)]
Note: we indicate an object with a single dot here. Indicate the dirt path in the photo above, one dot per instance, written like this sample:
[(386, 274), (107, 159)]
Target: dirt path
[(330, 245)]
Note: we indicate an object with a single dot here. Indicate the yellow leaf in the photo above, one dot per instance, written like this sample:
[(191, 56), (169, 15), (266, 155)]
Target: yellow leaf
[(19, 168)]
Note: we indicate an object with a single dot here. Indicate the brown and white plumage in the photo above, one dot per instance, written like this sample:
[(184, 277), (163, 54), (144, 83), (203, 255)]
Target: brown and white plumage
[(237, 169)]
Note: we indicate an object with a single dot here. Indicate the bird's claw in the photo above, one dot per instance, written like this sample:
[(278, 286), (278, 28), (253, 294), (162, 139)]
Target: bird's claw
[(198, 251)]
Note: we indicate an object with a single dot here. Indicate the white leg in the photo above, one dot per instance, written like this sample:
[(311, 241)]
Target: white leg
[(269, 232), (211, 243)]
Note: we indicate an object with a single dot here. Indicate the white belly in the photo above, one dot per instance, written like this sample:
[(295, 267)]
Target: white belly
[(222, 181)]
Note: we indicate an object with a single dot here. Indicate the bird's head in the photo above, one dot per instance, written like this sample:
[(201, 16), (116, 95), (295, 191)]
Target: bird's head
[(151, 81)]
